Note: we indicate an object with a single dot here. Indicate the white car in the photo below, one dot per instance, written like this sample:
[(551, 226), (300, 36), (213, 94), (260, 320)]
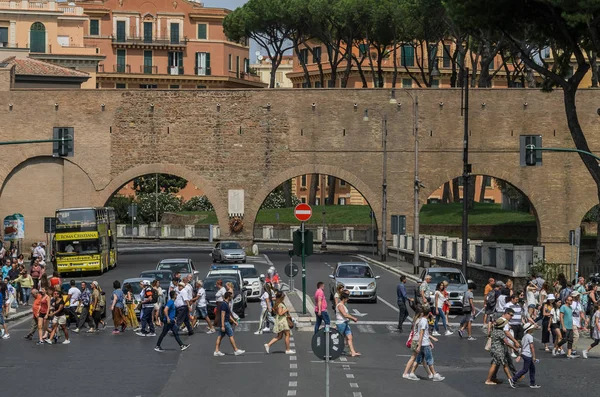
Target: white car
[(227, 270), (250, 274)]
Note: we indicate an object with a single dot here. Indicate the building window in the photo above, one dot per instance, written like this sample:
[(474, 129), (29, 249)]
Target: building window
[(316, 54), (230, 62), (363, 48), (203, 63), (341, 200), (460, 181), (246, 65), (433, 49), (317, 84), (492, 65), (303, 56), (174, 86), (94, 27), (174, 33), (121, 86), (342, 183), (237, 66), (200, 86), (3, 37), (303, 181), (407, 55), (407, 83), (121, 54), (318, 180), (305, 85), (121, 31), (147, 32), (202, 31), (149, 86), (63, 41), (148, 62), (379, 84), (37, 37), (446, 60), (317, 201), (488, 181), (303, 200), (175, 62)]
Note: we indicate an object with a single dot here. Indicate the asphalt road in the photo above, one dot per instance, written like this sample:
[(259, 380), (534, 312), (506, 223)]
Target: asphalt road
[(105, 365)]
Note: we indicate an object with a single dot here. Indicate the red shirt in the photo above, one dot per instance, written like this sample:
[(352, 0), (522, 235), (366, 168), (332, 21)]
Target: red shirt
[(54, 281)]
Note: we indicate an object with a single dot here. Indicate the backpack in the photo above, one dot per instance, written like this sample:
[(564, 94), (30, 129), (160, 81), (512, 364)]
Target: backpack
[(154, 296), (490, 300), (102, 300), (564, 293)]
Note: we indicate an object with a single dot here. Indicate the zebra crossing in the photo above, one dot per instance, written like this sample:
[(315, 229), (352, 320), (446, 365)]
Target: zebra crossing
[(372, 327)]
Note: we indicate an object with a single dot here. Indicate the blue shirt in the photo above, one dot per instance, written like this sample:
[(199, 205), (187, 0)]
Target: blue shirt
[(5, 270), (120, 296), (225, 309), (401, 292), (567, 316), (1, 300), (171, 306)]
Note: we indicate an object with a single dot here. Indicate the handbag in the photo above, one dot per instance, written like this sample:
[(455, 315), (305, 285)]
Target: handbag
[(488, 344), (290, 321), (410, 338)]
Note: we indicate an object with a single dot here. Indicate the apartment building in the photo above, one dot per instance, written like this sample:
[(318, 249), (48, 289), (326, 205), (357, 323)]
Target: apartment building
[(491, 190), (345, 194), (262, 67), (165, 44)]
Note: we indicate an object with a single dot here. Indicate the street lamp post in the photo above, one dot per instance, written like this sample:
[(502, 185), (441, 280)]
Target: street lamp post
[(323, 235), (416, 237), (466, 176)]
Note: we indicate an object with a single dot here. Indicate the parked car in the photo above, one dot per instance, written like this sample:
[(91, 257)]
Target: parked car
[(136, 289), (239, 297), (358, 278), (228, 251), (457, 285), (184, 266), (163, 276), (65, 286), (248, 277)]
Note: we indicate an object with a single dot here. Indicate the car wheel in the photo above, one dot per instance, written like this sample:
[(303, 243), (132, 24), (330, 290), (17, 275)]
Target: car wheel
[(244, 261), (374, 300)]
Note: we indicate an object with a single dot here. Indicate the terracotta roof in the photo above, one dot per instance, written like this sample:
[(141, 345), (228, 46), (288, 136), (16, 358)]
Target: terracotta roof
[(33, 67)]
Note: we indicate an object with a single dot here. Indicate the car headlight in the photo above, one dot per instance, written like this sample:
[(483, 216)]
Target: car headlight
[(372, 285), (256, 283), (237, 299)]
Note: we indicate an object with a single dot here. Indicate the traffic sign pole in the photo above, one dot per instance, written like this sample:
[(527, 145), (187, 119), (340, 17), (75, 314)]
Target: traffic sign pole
[(326, 360), (303, 270)]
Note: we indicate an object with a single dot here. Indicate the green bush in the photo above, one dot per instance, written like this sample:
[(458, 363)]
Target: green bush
[(198, 203), (167, 202)]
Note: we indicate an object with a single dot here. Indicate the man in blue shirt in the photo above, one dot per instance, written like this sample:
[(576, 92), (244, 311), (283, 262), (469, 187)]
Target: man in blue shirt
[(402, 299), (170, 324)]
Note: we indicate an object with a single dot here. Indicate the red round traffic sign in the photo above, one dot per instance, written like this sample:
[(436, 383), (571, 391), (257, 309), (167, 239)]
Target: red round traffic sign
[(303, 212)]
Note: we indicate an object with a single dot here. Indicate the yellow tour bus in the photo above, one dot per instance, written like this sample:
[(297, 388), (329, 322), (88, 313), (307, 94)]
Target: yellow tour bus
[(85, 239)]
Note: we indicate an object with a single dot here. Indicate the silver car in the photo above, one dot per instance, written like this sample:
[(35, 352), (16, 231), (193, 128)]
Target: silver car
[(228, 251), (183, 266), (136, 289), (358, 278), (457, 285)]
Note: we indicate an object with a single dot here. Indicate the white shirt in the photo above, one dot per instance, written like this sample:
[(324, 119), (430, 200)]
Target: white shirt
[(339, 317), (526, 345), (577, 309), (501, 304), (531, 298), (201, 302), (75, 293), (180, 299), (423, 325), (219, 294), (40, 252), (263, 300), (189, 292), (440, 299)]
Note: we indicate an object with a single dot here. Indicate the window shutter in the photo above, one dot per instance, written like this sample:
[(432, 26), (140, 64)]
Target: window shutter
[(202, 31), (208, 73), (197, 66)]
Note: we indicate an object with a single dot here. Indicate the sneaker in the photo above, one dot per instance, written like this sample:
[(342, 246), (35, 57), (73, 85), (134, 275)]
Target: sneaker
[(512, 383), (290, 352), (535, 386), (28, 337), (267, 347), (266, 329), (460, 333), (137, 329), (438, 378), (553, 352), (211, 331), (448, 333), (140, 334), (513, 355), (2, 332), (151, 334), (184, 347), (412, 376), (76, 330), (239, 352), (158, 349), (40, 342), (66, 342), (471, 338), (430, 376), (48, 341), (90, 331), (435, 333), (572, 356), (116, 332), (5, 336), (405, 376), (584, 353), (258, 332), (562, 352), (218, 354)]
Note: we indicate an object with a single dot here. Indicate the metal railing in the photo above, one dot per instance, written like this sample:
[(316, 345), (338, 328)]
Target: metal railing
[(175, 70), (149, 69), (154, 40)]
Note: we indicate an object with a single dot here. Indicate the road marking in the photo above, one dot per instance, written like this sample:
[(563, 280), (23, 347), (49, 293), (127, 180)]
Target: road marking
[(241, 362), (345, 364), (354, 385), (349, 376), (243, 327), (357, 394), (294, 366), (392, 328), (343, 359), (292, 344), (293, 374), (357, 313), (293, 358), (346, 367), (291, 392), (368, 329), (403, 355)]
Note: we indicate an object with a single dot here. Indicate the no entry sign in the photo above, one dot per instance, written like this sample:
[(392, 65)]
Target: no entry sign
[(303, 212)]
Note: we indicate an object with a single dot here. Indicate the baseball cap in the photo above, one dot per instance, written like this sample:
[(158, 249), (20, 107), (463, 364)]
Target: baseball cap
[(181, 283), (574, 293), (145, 282)]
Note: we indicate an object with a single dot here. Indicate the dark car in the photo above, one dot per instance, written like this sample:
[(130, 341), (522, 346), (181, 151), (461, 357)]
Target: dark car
[(65, 294), (163, 276), (239, 295)]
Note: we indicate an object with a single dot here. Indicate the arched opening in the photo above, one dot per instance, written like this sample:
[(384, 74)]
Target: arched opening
[(338, 208), (498, 212), (37, 37), (589, 255), (166, 206)]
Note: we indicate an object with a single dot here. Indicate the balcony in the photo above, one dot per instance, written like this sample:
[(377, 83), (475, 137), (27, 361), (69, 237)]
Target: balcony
[(245, 76), (158, 42), (149, 69), (175, 70), (49, 6), (202, 71)]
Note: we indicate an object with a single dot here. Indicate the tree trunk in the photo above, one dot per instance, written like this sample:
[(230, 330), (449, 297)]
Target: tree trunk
[(287, 193), (455, 190), (331, 191), (484, 180), (303, 64), (348, 56), (273, 73), (312, 192), (360, 71), (593, 68), (471, 198), (446, 196)]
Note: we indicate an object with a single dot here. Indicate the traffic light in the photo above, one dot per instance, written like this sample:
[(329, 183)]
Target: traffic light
[(530, 153), (64, 144), (308, 242)]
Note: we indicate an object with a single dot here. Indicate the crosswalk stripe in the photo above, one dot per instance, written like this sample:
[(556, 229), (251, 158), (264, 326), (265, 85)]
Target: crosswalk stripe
[(368, 329)]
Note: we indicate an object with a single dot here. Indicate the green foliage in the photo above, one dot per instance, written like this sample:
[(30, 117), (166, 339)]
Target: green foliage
[(147, 205), (166, 183), (276, 199), (198, 203), (120, 204), (549, 271), (481, 214), (592, 215)]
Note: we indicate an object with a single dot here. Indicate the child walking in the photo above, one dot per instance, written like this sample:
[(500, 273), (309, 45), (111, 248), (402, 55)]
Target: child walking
[(529, 360)]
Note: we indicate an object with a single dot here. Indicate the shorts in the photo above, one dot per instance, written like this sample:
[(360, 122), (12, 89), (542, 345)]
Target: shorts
[(426, 354), (489, 311), (1, 318), (60, 320), (228, 330), (157, 306), (201, 312), (467, 318), (344, 329)]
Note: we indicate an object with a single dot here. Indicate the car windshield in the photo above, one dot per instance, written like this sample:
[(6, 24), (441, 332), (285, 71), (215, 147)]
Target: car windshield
[(354, 271), (136, 288), (161, 276), (77, 247), (450, 277), (231, 246), (174, 267), (210, 284), (249, 272)]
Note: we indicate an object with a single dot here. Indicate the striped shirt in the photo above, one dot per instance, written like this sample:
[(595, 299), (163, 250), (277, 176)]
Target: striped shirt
[(517, 318)]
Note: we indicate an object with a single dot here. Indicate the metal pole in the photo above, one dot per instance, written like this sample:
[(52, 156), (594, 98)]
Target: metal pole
[(303, 270), (156, 204), (578, 242), (372, 233), (466, 171), (384, 193), (416, 237), (327, 331), (323, 235), (572, 244)]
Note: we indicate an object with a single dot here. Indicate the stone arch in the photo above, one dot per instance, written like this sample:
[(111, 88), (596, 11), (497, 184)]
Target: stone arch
[(274, 181), (123, 178), (449, 176)]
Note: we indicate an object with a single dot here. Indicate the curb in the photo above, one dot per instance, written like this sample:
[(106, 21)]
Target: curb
[(18, 316), (390, 268)]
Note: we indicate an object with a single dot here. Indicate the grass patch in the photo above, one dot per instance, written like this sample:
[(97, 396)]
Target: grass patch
[(481, 214)]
